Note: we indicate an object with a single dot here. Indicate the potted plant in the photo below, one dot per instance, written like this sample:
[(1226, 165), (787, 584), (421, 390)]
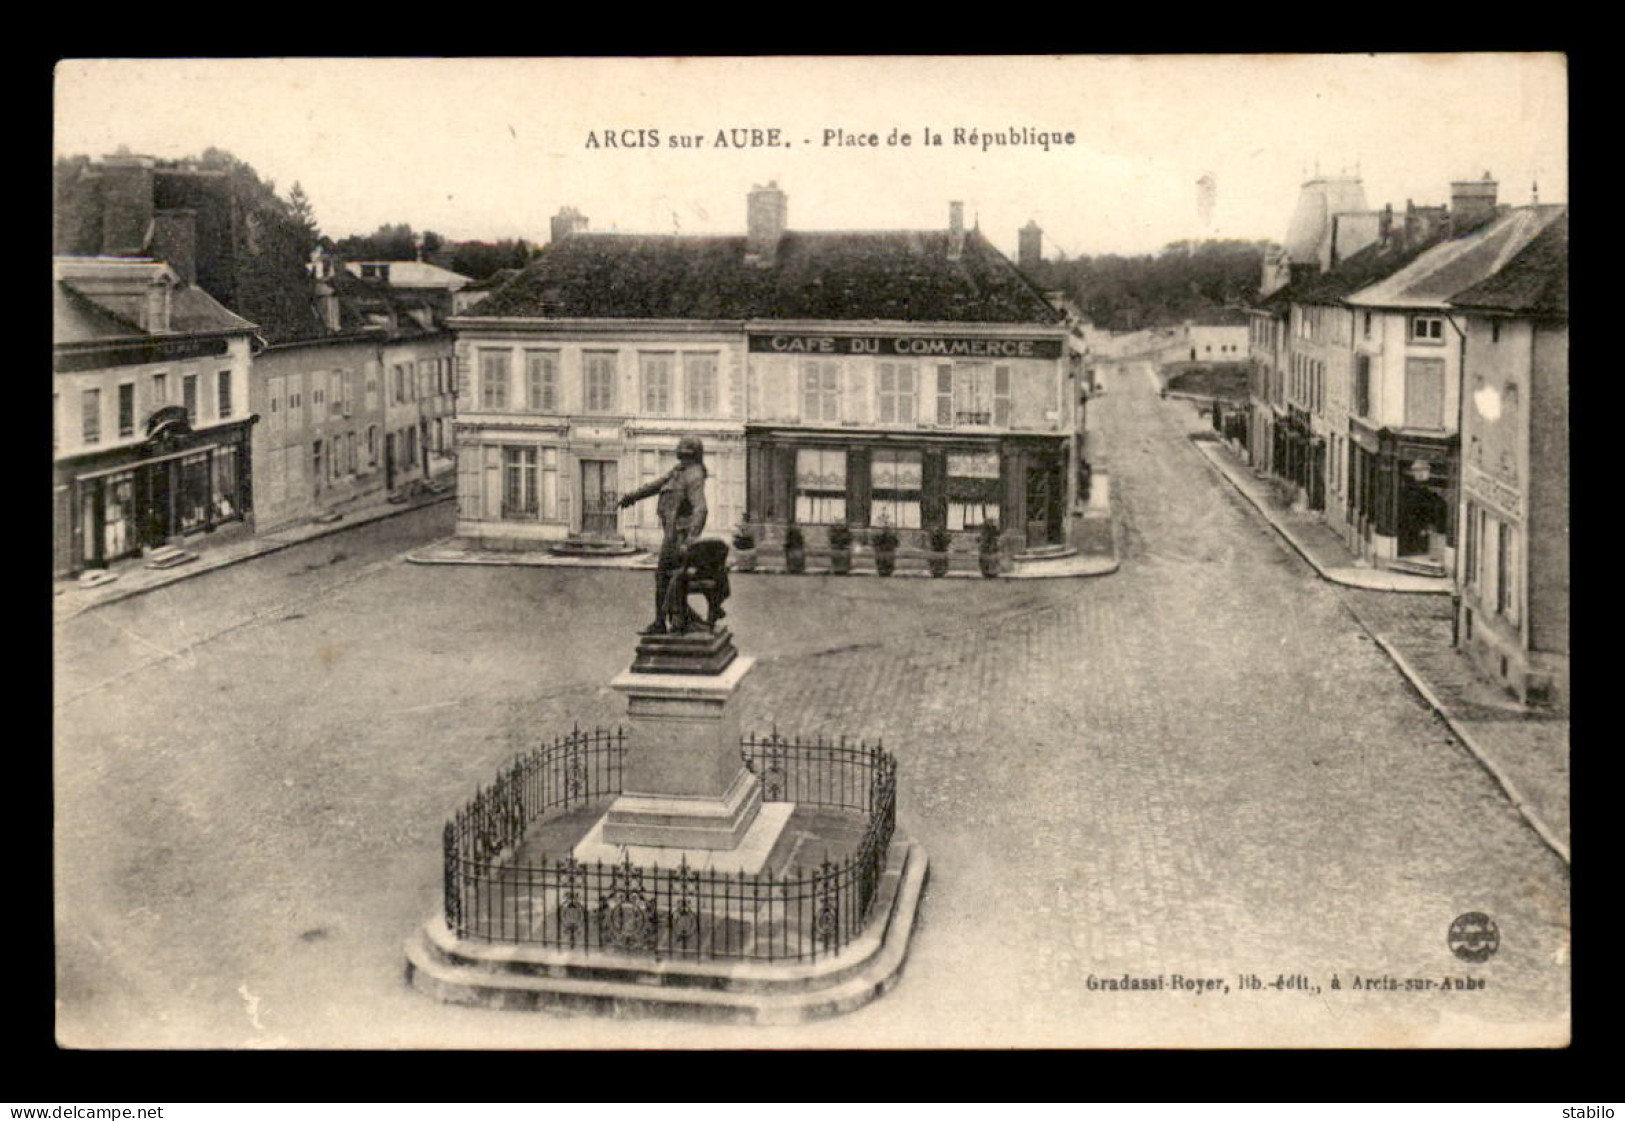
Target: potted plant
[(744, 550), (884, 540), (840, 548), (987, 548), (936, 558), (795, 550)]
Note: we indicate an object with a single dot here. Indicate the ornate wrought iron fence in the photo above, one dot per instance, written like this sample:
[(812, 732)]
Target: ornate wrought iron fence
[(793, 914)]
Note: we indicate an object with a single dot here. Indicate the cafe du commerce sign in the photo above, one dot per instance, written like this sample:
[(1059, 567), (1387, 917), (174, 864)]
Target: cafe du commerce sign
[(905, 346)]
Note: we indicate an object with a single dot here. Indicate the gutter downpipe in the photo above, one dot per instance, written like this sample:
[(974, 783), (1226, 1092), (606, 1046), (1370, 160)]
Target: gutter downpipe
[(1455, 483)]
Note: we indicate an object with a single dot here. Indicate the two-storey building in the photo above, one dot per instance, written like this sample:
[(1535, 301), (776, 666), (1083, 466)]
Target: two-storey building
[(151, 410), (1513, 570), (914, 378)]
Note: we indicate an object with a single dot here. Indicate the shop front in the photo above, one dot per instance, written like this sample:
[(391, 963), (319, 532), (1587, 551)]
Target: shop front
[(175, 483), (1401, 495), (912, 483)]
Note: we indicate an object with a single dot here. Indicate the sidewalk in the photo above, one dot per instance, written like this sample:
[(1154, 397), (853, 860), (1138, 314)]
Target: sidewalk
[(1526, 751), (1095, 554), (134, 578)]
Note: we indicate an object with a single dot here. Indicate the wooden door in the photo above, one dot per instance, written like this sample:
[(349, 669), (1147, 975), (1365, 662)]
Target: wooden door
[(599, 494)]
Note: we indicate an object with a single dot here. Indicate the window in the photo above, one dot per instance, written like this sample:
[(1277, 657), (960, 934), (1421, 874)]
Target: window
[(494, 375), (821, 392), (223, 393), (898, 388), (372, 445), (160, 390), (1508, 430), (1427, 329), (1362, 385), (820, 484), (1470, 547), (1506, 587), (351, 457), (189, 397), (895, 484), (981, 394), (126, 409), (598, 374), (973, 489), (655, 375), (945, 394), (1424, 392), (519, 483), (700, 384), (1495, 330), (91, 408), (542, 381), (1365, 328)]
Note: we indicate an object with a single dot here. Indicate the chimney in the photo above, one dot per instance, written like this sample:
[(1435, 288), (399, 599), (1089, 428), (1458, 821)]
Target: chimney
[(174, 240), (127, 207), (1472, 203), (956, 230), (327, 301), (568, 221), (1385, 224), (1031, 247), (765, 216)]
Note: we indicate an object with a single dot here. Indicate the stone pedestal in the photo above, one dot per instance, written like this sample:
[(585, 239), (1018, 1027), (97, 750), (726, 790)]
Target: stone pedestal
[(686, 794)]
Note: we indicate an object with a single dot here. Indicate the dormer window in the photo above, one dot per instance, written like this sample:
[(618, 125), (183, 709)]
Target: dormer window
[(1427, 329)]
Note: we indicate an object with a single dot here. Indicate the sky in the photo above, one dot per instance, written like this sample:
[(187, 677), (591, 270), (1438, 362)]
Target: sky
[(492, 148)]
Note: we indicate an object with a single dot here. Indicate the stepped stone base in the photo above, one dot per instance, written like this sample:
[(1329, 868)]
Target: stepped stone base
[(685, 821), (593, 547), (537, 978)]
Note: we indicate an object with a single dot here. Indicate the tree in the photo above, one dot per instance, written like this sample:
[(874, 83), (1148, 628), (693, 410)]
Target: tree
[(304, 218)]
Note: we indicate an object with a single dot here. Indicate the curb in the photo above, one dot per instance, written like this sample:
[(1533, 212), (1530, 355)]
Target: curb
[(1419, 683), (266, 549), (1291, 539)]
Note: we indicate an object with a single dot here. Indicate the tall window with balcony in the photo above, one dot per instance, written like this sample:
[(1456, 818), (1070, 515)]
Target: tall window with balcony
[(223, 393), (973, 393), (519, 483), (655, 376), (598, 376), (494, 375), (821, 392), (820, 486), (700, 385)]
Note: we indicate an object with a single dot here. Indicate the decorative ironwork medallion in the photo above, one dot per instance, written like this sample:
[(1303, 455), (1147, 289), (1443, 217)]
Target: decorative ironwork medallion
[(625, 914), (575, 778), (827, 919)]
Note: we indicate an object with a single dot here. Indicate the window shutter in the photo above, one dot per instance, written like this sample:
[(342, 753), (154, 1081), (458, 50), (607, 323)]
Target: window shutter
[(857, 402), (493, 482)]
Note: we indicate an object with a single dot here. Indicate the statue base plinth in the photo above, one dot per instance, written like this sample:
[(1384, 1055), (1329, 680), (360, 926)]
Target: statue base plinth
[(700, 651)]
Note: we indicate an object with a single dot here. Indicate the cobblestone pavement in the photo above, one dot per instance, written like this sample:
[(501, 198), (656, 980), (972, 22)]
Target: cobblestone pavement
[(1198, 766)]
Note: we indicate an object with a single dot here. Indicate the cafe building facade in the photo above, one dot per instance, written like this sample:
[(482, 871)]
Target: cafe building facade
[(913, 378)]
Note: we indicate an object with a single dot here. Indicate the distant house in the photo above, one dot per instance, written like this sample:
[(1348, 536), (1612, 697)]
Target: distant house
[(910, 377), (1513, 570), (151, 407), (423, 286)]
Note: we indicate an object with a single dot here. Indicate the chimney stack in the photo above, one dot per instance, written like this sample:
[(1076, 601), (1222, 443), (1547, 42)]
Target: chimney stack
[(1472, 203), (127, 206), (956, 230), (568, 221), (765, 217), (174, 240), (1031, 247)]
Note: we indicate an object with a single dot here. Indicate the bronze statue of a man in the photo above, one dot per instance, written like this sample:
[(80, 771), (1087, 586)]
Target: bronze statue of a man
[(682, 513)]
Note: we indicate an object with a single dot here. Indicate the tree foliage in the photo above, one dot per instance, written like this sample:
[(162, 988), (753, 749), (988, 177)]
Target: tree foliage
[(1188, 279), (479, 259)]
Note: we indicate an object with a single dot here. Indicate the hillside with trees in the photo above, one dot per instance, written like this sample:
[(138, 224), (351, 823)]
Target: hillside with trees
[(1187, 280)]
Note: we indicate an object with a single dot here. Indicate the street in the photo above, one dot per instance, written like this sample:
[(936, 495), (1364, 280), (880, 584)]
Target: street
[(1200, 765)]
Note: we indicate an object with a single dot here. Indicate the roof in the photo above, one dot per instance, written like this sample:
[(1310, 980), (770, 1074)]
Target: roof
[(1319, 199), (1361, 270), (418, 274), (1455, 264), (900, 275), (194, 311), (495, 280), (76, 318), (1534, 282)]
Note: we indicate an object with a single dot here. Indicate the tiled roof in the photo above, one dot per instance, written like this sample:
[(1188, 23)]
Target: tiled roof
[(1361, 270), (76, 318), (1535, 282), (871, 275), (192, 310), (1456, 264)]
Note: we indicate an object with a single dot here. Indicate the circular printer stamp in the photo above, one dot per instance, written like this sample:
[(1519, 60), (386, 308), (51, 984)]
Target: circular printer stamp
[(1474, 937)]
